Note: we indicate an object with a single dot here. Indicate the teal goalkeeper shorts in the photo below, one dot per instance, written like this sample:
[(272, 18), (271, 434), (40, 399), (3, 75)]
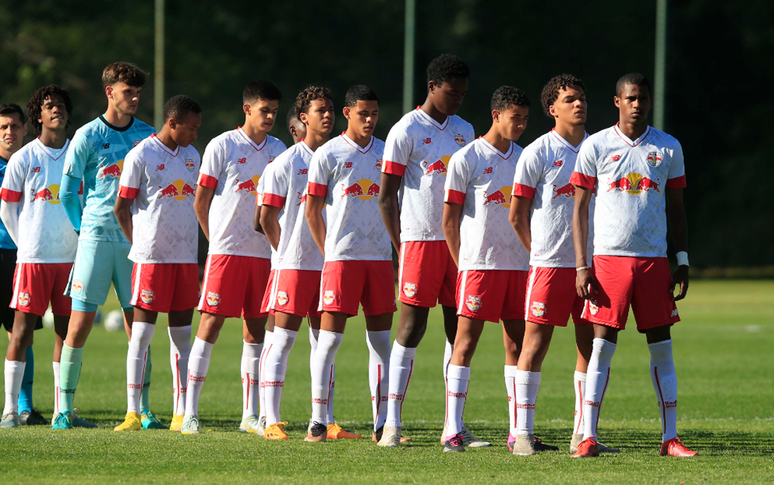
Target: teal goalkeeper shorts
[(97, 263)]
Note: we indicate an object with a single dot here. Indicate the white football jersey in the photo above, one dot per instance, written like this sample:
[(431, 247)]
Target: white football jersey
[(233, 165), (631, 177), (419, 149), (162, 183), (348, 177), (32, 179), (480, 179), (543, 175), (285, 187), (259, 202)]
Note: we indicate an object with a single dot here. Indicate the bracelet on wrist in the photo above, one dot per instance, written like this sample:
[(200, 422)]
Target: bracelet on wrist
[(581, 268)]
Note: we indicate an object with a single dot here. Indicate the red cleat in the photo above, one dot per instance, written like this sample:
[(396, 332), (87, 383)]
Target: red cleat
[(587, 449), (675, 447)]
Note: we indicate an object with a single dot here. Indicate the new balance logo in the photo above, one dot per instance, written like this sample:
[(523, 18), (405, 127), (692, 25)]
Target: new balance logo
[(302, 171), (348, 165), (592, 403), (457, 394), (525, 406), (396, 397), (427, 141), (72, 391), (488, 170), (105, 146), (670, 404)]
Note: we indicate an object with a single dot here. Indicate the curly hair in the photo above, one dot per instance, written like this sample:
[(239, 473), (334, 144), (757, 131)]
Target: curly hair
[(550, 92), (35, 104), (505, 97), (305, 98), (123, 72), (447, 67), (179, 106), (633, 78)]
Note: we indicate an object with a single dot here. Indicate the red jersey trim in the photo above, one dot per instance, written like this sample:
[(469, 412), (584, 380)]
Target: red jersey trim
[(393, 168), (319, 190), (164, 147), (45, 148), (626, 138), (440, 126), (675, 183), (504, 156), (258, 148), (522, 190), (454, 197), (208, 181), (582, 180), (354, 145), (127, 192), (566, 143), (274, 200), (10, 195)]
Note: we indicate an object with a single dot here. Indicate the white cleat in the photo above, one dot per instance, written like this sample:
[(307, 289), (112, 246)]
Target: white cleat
[(390, 437), (524, 445), (253, 425), (470, 441)]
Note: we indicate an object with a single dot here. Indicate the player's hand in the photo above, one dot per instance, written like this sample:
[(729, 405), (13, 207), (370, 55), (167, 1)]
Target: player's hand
[(680, 277), (585, 284)]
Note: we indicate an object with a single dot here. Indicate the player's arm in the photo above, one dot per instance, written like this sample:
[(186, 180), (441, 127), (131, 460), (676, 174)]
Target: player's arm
[(585, 284), (388, 206), (269, 221), (128, 189), (123, 212), (678, 225), (9, 214), (452, 212), (519, 218), (10, 195), (71, 202), (202, 204), (313, 213), (257, 218)]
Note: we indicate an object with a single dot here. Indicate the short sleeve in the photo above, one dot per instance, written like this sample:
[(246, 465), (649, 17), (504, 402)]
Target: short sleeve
[(13, 183), (676, 176), (585, 174), (457, 178), (78, 154), (320, 169), (129, 183), (275, 189), (277, 148), (397, 150), (212, 165), (259, 189), (529, 171)]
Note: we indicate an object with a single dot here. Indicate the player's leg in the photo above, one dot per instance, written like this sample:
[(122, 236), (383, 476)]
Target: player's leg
[(273, 368), (15, 359), (332, 326), (513, 336), (537, 339), (199, 360), (378, 340), (584, 338), (258, 427)]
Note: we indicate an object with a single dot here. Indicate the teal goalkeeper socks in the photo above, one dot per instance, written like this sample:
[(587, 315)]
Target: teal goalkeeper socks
[(69, 372), (25, 395), (144, 407)]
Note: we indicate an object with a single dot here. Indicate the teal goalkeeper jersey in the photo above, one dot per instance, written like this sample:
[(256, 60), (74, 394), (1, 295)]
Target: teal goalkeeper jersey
[(96, 155)]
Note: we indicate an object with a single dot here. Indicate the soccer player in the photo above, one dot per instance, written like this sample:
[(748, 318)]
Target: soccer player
[(492, 263), (295, 127), (636, 169), (358, 269), (541, 214), (37, 223), (96, 158), (416, 158), (238, 263), (156, 197)]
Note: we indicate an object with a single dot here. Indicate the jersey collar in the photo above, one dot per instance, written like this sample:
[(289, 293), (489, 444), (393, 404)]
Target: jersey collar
[(626, 138), (51, 151), (305, 147), (250, 140), (114, 127), (164, 147), (440, 126), (355, 145), (504, 156), (567, 143)]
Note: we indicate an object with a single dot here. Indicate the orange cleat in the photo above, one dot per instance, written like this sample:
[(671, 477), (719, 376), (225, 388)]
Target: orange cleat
[(276, 432), (587, 449), (336, 432), (675, 447)]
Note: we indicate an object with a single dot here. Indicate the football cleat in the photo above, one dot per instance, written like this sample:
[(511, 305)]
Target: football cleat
[(336, 432), (177, 422), (587, 449), (317, 432), (63, 421), (31, 418), (376, 436), (540, 446), (132, 422), (79, 422), (470, 441), (252, 424), (522, 444), (578, 437), (10, 420), (276, 432), (149, 421), (390, 437), (675, 447), (190, 425), (453, 444)]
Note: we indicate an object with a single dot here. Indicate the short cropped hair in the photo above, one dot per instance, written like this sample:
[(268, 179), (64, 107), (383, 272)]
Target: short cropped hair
[(305, 98), (260, 90), (123, 72), (179, 106), (550, 92), (11, 108), (633, 78), (291, 117), (507, 96), (35, 104), (359, 92), (446, 67)]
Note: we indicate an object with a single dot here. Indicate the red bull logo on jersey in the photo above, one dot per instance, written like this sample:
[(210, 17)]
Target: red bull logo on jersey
[(213, 299), (362, 189), (378, 165), (654, 159), (77, 286), (634, 183), (439, 166), (499, 197), (329, 297), (110, 171), (459, 139), (146, 296), (50, 194), (566, 191), (24, 299), (538, 308), (473, 303), (178, 189), (249, 185), (189, 164), (301, 198), (593, 308), (282, 298), (409, 289)]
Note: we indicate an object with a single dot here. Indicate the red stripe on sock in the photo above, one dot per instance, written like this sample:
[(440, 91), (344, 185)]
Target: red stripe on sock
[(515, 408), (596, 424), (177, 375), (661, 397), (580, 418), (247, 395)]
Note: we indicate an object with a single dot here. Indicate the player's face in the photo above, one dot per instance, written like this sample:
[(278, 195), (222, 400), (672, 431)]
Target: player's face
[(12, 132), (53, 114), (124, 98), (570, 106), (512, 122), (448, 96), (320, 116), (297, 130), (363, 117), (184, 131), (262, 114), (634, 104)]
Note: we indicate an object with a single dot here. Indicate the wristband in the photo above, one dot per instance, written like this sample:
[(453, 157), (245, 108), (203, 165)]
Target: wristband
[(581, 268), (682, 258)]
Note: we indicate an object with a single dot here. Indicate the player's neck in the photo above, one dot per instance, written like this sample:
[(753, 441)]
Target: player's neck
[(5, 154), (433, 112), (497, 140), (631, 130), (574, 134), (361, 140), (166, 138), (115, 118), (53, 138), (253, 133), (315, 140)]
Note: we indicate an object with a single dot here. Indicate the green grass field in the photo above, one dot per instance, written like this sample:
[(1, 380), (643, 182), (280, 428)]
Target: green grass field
[(723, 353)]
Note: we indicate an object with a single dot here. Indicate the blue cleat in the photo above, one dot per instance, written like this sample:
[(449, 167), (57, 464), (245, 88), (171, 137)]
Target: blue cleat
[(149, 421), (63, 421)]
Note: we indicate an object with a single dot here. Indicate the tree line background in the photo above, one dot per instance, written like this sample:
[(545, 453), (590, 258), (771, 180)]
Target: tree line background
[(715, 96)]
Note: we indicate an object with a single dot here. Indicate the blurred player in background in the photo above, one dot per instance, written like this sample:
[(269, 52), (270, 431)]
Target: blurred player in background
[(155, 211), (295, 127)]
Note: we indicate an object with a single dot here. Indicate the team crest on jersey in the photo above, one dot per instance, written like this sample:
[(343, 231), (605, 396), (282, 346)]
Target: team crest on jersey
[(473, 303), (593, 308), (499, 197), (282, 298), (654, 159), (538, 308), (189, 164), (24, 299), (459, 139), (77, 286), (146, 296), (213, 298), (328, 297), (409, 289), (362, 189), (378, 165)]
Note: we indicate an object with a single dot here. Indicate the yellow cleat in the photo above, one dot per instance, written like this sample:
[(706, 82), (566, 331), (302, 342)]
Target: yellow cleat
[(177, 422), (336, 432), (132, 422), (276, 432)]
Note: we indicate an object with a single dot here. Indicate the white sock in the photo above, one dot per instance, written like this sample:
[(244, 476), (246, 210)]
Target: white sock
[(447, 355), (527, 386), (314, 334), (597, 377), (14, 373), (510, 387), (198, 363), (457, 381), (664, 377), (579, 384), (179, 350), (274, 367), (55, 365), (379, 374), (251, 368), (401, 368), (142, 334), (328, 345), (267, 339)]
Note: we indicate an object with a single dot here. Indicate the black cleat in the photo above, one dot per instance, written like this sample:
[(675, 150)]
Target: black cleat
[(454, 444), (317, 432), (32, 418), (540, 446)]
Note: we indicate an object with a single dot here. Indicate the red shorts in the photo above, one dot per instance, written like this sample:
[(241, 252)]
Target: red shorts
[(267, 295), (552, 298), (491, 295), (295, 291), (426, 274), (643, 283), (165, 287), (37, 284), (347, 283), (234, 285)]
